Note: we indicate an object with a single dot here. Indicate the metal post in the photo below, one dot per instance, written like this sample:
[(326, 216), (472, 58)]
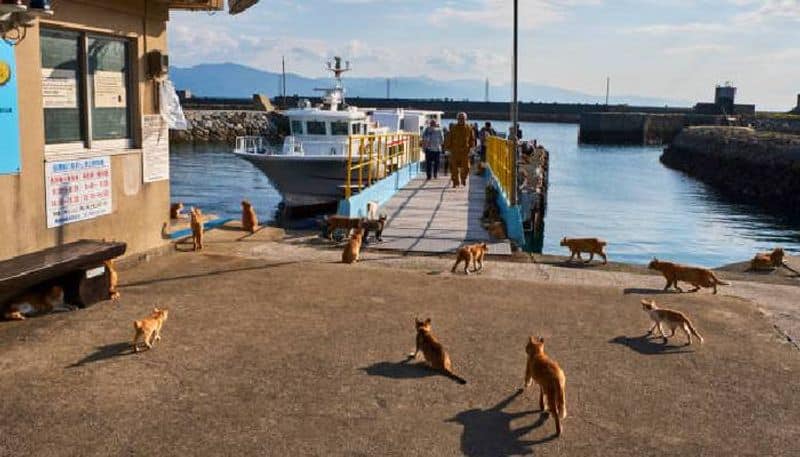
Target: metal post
[(283, 81), (515, 108), (349, 170), (608, 89)]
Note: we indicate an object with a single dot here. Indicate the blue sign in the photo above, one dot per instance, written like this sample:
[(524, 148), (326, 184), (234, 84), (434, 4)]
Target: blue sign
[(9, 114)]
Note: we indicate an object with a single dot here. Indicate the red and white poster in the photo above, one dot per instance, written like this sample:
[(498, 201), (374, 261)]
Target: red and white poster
[(77, 190)]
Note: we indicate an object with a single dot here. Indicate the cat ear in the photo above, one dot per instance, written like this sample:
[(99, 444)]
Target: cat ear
[(541, 339), (532, 339), (428, 320)]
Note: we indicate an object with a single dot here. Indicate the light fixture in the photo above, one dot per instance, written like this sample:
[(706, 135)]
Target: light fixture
[(16, 18)]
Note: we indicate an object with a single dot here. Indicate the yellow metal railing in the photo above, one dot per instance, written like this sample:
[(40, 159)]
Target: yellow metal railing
[(500, 157), (373, 157)]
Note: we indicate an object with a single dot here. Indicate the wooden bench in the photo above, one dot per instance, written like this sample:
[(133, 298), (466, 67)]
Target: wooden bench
[(76, 267)]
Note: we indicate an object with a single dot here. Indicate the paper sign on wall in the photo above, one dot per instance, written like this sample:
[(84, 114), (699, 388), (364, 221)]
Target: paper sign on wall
[(155, 148), (109, 89), (59, 88), (77, 190)]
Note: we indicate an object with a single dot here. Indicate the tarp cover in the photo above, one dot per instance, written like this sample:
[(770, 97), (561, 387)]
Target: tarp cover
[(238, 6)]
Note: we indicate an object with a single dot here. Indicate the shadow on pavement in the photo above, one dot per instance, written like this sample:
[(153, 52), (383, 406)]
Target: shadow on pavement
[(488, 432), (104, 353), (400, 370), (648, 346), (640, 291), (205, 274)]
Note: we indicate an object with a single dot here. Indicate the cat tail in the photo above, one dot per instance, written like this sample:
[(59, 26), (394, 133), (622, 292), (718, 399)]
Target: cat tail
[(718, 281), (455, 377), (694, 332)]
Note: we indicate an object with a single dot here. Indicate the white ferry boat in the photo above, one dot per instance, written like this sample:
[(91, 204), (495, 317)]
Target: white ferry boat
[(310, 170)]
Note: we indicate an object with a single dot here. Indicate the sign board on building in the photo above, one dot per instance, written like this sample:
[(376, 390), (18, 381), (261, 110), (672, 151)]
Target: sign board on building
[(109, 89), (9, 116), (77, 190), (59, 88), (155, 148)]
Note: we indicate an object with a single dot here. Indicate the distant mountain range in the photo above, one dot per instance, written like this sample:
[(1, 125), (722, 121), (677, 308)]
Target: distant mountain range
[(238, 81)]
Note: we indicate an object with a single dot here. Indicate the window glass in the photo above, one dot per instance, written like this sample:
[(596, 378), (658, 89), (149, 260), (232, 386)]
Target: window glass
[(297, 127), (356, 129), (108, 84), (339, 128), (315, 127), (60, 86)]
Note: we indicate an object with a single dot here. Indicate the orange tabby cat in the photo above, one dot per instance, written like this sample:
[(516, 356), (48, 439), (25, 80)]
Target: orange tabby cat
[(149, 328), (473, 253), (550, 378), (353, 248), (671, 318), (36, 302), (696, 276), (768, 260), (175, 210), (433, 351), (197, 228), (113, 279), (591, 245), (249, 218)]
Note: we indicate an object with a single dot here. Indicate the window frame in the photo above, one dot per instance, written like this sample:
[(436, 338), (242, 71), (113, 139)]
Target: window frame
[(340, 123), (88, 146), (324, 127)]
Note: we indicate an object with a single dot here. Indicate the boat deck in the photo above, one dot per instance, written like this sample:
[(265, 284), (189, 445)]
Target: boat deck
[(431, 217)]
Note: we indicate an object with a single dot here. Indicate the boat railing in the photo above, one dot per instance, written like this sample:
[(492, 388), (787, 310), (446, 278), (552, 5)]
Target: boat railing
[(250, 145), (500, 157), (373, 157)]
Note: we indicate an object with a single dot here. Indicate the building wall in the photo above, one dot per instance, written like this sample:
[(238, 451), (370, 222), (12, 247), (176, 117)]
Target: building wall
[(138, 208)]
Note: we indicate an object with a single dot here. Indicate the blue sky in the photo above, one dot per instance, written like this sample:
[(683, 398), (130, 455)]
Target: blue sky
[(676, 49)]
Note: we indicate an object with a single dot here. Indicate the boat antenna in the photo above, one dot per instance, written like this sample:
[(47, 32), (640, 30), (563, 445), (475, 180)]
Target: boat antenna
[(335, 66)]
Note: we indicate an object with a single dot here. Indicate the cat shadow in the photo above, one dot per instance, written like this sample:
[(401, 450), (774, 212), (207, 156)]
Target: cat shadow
[(650, 345), (400, 370), (580, 264), (488, 432), (643, 291), (106, 352)]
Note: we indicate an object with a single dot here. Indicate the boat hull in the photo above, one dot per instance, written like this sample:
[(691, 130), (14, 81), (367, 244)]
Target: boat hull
[(304, 181)]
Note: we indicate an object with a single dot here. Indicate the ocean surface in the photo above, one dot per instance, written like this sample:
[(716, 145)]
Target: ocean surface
[(622, 194)]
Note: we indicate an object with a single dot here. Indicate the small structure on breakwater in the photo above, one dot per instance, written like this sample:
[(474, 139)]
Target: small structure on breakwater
[(745, 164), (660, 128)]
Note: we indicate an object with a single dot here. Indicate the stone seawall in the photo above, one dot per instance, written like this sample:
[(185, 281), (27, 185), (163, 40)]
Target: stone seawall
[(745, 164), (207, 126)]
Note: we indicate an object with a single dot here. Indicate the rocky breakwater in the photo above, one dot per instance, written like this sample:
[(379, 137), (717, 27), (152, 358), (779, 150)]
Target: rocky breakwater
[(745, 164), (225, 126)]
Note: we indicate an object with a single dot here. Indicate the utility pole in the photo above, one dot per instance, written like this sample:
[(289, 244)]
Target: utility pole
[(515, 108), (608, 88), (388, 88), (283, 80), (486, 95)]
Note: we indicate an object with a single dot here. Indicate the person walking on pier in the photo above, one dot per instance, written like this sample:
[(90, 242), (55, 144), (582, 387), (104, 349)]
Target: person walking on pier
[(484, 135), (432, 141), (460, 141)]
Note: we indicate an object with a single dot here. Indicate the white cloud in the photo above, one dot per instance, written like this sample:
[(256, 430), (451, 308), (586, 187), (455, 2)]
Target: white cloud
[(498, 14)]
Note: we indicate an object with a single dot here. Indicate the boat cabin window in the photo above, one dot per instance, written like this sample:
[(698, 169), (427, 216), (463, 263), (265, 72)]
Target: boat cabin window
[(356, 129), (297, 127), (339, 128), (316, 128)]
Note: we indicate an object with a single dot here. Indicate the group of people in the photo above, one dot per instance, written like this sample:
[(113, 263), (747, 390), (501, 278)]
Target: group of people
[(455, 144)]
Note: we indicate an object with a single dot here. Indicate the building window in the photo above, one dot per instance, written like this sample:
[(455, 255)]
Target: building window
[(297, 127), (339, 128), (86, 88), (315, 128)]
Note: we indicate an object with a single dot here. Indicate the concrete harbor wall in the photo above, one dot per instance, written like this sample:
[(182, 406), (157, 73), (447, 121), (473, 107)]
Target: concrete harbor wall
[(223, 126), (640, 128), (742, 163)]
